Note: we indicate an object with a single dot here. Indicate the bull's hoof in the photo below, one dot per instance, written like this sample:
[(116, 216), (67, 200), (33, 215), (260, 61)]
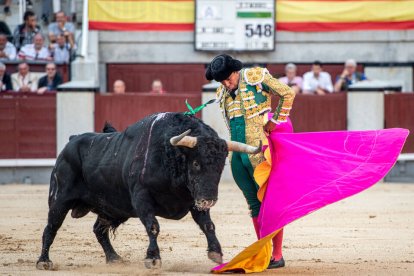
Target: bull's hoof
[(46, 265), (215, 257), (115, 259), (152, 263)]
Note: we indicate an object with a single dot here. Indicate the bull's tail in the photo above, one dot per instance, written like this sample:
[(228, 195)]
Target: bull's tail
[(108, 128), (113, 226)]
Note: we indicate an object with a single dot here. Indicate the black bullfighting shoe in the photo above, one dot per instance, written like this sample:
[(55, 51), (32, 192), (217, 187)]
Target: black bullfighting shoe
[(276, 263)]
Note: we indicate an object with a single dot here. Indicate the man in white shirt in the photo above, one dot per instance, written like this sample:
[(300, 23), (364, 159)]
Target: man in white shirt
[(7, 49), (317, 81), (35, 51), (24, 81)]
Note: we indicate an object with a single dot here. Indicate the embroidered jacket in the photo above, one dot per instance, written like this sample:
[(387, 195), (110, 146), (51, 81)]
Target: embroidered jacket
[(253, 96)]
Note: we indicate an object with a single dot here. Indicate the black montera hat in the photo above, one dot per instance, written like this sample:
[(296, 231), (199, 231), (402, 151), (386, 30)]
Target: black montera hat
[(222, 66)]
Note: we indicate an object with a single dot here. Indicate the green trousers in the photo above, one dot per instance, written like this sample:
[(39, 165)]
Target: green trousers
[(242, 169)]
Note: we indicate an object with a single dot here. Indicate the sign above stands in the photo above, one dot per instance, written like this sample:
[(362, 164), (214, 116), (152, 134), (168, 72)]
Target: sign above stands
[(235, 25)]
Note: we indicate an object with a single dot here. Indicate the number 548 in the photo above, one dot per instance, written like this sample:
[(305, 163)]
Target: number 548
[(259, 30)]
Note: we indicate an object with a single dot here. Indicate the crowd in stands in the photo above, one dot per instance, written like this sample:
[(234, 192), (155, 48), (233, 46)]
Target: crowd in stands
[(29, 43), (26, 81), (319, 82)]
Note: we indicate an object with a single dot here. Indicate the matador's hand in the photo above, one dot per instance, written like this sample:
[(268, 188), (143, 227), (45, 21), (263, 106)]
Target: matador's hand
[(269, 127)]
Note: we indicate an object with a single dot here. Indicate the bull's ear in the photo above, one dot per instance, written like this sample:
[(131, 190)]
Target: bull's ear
[(241, 147), (184, 140)]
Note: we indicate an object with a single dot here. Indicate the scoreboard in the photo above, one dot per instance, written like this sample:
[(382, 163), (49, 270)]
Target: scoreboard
[(235, 25)]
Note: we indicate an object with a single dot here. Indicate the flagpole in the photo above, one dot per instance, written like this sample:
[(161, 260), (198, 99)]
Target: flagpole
[(85, 27)]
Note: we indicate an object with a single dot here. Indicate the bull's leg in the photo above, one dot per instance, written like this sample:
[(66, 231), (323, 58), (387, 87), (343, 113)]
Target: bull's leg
[(56, 216), (153, 258), (143, 204), (101, 230), (202, 218)]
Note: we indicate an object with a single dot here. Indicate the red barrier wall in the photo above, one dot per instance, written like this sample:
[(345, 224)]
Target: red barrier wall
[(124, 110), (180, 78), (176, 78), (399, 112), (28, 125)]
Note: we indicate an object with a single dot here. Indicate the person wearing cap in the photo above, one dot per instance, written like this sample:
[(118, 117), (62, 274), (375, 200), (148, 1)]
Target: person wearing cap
[(245, 100), (349, 76)]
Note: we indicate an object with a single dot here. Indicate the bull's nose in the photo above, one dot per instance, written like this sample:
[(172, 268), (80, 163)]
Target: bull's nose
[(205, 204)]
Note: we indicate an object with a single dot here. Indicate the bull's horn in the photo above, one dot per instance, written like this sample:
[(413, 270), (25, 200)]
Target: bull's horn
[(241, 147), (184, 140)]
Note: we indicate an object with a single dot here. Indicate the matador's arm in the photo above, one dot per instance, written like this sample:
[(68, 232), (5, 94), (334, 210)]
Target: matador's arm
[(286, 96), (274, 86)]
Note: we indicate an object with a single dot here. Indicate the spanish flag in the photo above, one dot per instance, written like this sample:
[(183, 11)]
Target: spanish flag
[(291, 15)]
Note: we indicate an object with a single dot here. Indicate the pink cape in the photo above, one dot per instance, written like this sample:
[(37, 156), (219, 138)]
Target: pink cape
[(312, 170)]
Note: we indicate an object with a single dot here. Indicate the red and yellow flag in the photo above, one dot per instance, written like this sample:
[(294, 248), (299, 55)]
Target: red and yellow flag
[(344, 15), (291, 15)]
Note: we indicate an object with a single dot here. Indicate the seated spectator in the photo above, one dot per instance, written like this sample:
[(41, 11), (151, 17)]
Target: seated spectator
[(24, 33), (349, 76), (24, 80), (61, 51), (317, 81), (51, 81), (4, 29), (156, 87), (7, 50), (35, 51), (5, 80), (119, 87), (291, 79), (61, 27), (6, 9)]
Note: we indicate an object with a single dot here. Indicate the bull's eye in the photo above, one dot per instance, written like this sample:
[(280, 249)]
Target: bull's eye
[(196, 165)]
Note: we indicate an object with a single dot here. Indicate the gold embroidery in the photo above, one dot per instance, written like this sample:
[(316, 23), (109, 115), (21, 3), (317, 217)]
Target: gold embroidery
[(254, 134), (285, 93), (255, 75)]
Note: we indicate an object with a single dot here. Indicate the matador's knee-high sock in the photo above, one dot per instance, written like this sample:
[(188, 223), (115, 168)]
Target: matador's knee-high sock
[(277, 245)]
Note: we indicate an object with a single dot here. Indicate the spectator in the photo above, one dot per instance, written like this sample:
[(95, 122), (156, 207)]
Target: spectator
[(24, 80), (61, 27), (119, 87), (35, 51), (61, 50), (7, 49), (4, 29), (5, 80), (51, 81), (293, 81), (157, 87), (47, 10), (24, 33), (349, 76), (6, 9), (317, 81)]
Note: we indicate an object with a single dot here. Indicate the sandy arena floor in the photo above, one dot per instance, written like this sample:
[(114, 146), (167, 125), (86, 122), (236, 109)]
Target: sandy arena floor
[(369, 234)]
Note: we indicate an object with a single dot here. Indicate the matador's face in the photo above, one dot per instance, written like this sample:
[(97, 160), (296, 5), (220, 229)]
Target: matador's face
[(232, 82)]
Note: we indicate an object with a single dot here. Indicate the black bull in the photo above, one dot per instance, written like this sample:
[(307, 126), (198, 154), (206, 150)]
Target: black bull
[(148, 170)]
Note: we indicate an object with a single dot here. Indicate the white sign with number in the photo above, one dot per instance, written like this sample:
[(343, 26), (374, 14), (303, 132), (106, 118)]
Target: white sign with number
[(237, 25)]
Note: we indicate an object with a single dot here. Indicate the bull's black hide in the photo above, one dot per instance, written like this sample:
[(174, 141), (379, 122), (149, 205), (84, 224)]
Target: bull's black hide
[(137, 173)]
